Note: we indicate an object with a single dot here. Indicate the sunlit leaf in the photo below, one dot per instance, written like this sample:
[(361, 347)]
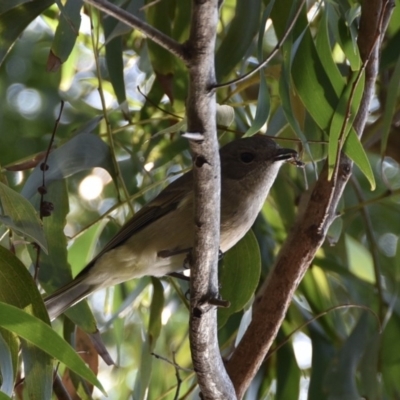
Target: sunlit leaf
[(66, 34)]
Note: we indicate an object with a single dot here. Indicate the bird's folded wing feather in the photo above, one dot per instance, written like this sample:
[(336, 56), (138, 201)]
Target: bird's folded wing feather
[(167, 201)]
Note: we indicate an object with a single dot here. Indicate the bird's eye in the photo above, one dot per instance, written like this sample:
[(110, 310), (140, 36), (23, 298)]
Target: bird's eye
[(247, 158)]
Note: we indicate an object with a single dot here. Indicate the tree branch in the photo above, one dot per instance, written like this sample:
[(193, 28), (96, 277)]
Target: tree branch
[(154, 34), (310, 229), (201, 115), (198, 54)]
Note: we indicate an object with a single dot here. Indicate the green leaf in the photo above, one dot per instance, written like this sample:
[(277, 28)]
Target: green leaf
[(181, 28), (349, 46), (115, 64), (6, 368), (144, 373), (360, 261), (322, 354), (390, 105), (340, 125), (241, 32), (6, 5), (55, 270), (341, 377), (82, 152), (18, 288), (120, 29), (22, 216), (83, 247), (160, 16), (143, 377), (156, 309), (324, 49), (42, 336), (312, 83), (14, 20), (66, 34), (12, 343), (354, 149), (263, 107), (318, 92), (3, 396), (370, 368), (389, 357), (239, 276), (288, 374)]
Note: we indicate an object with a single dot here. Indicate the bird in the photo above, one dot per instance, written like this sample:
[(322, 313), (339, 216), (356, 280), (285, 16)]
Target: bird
[(158, 238)]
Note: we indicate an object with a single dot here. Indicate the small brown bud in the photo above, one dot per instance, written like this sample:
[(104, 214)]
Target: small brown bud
[(42, 189)]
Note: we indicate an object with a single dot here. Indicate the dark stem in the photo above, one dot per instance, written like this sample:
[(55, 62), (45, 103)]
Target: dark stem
[(152, 33)]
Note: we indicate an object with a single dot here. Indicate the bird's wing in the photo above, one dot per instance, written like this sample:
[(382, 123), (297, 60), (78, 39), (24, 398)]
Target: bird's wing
[(167, 201)]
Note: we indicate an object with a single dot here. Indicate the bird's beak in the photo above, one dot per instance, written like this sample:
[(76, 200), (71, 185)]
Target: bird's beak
[(286, 155), (290, 156)]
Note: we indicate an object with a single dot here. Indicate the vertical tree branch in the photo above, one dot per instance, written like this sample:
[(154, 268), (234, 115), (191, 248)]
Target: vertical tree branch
[(198, 53), (201, 115), (310, 229)]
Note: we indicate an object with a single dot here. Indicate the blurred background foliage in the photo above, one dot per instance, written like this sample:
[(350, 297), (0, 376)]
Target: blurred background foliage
[(118, 144)]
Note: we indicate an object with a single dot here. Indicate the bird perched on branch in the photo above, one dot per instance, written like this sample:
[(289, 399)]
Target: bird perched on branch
[(157, 239)]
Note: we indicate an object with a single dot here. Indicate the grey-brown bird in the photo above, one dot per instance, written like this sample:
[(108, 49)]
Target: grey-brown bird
[(156, 240)]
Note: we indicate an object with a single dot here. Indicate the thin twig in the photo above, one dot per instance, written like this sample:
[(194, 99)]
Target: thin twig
[(318, 316), (385, 195), (157, 106), (45, 208), (173, 363), (178, 378), (95, 44), (154, 34), (149, 5), (270, 57)]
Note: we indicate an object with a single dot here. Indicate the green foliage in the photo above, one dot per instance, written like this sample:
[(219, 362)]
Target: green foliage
[(129, 147)]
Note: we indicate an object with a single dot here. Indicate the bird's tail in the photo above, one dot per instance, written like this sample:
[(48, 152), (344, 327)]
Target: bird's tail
[(67, 296)]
